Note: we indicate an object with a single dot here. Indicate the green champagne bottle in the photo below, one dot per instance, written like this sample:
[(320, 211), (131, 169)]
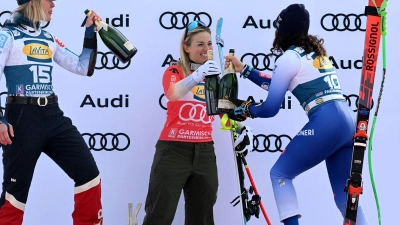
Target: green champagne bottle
[(211, 87), (115, 40), (228, 88)]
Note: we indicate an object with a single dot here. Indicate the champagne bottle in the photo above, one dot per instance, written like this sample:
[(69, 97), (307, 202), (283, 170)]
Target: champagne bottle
[(115, 40), (228, 88), (211, 87)]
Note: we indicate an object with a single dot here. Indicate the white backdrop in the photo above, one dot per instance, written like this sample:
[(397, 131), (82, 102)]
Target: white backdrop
[(125, 174)]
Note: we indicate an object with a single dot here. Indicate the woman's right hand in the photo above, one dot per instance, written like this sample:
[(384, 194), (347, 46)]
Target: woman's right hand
[(237, 64), (4, 137)]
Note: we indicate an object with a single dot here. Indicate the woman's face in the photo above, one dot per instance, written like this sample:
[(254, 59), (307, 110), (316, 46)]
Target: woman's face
[(201, 42), (48, 6)]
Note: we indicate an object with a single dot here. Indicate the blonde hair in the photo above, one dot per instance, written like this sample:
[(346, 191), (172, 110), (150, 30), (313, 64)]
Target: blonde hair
[(34, 12), (184, 61)]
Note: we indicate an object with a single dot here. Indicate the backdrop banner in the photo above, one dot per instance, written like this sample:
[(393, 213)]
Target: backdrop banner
[(121, 109)]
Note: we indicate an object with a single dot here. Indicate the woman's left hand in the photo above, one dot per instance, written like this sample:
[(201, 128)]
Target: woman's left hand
[(92, 18)]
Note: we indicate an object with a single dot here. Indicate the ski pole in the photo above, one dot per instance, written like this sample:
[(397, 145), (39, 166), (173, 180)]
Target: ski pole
[(383, 14), (246, 166)]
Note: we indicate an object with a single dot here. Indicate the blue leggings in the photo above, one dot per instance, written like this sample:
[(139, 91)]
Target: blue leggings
[(327, 136)]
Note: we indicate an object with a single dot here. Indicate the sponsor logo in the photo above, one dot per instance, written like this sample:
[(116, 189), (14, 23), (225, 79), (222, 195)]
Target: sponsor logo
[(180, 20), (362, 125), (342, 22), (120, 21), (120, 102), (287, 103), (262, 24), (199, 92), (264, 75), (265, 86), (3, 39), (271, 142), (37, 51), (169, 60), (161, 102), (363, 112), (307, 132), (4, 16), (193, 134), (107, 141), (172, 133), (109, 61), (353, 100), (194, 113), (259, 61), (346, 64)]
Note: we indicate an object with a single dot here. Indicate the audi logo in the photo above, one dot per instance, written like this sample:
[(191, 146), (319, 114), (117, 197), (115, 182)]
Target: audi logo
[(179, 20), (108, 141), (271, 142), (7, 16), (197, 113), (3, 19), (260, 58), (160, 101), (343, 22), (109, 61), (352, 98)]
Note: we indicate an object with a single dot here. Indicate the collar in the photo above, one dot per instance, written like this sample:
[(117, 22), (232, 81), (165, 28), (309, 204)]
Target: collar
[(194, 66), (19, 20)]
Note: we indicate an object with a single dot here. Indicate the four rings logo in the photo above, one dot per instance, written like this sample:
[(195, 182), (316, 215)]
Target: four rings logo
[(343, 22), (197, 113), (108, 141), (161, 102), (270, 143), (352, 100), (179, 20), (109, 61), (6, 15), (265, 60)]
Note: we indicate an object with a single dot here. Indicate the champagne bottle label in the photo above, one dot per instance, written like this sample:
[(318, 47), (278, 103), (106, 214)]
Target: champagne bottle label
[(225, 104), (228, 87), (128, 45)]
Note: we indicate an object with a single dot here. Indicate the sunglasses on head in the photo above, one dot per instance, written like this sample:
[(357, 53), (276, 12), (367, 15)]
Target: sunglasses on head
[(193, 25)]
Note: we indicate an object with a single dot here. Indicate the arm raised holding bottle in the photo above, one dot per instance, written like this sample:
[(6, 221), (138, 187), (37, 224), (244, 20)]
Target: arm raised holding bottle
[(85, 63), (113, 39), (247, 72)]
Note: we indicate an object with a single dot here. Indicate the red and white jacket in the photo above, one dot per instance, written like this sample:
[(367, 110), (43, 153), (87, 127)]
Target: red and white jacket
[(187, 118)]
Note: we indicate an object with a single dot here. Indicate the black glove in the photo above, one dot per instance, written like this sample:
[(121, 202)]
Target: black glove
[(254, 205), (241, 111)]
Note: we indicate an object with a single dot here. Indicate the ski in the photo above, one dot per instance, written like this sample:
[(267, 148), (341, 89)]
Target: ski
[(243, 194), (354, 185), (248, 207), (220, 42)]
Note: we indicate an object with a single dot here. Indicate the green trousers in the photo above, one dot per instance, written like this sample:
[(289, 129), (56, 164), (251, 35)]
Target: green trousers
[(178, 166)]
